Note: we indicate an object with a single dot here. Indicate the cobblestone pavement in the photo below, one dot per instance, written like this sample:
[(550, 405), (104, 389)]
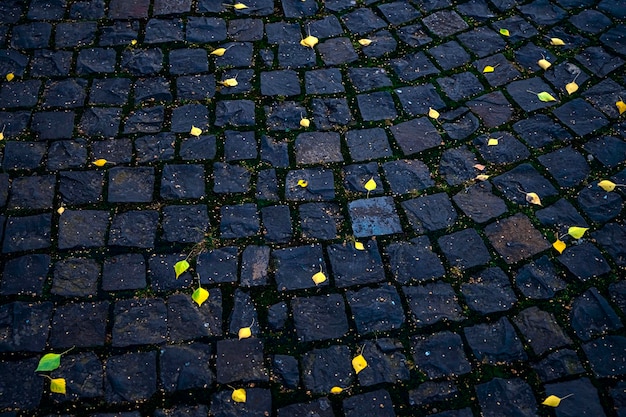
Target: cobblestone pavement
[(344, 178)]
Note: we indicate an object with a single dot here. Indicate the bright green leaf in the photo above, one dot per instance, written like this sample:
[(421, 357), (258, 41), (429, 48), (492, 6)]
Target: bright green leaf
[(545, 96), (49, 362), (180, 267), (505, 32), (577, 232), (200, 295)]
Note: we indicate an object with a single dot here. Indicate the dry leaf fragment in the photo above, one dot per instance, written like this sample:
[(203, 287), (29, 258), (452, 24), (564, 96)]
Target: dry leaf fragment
[(480, 167), (61, 210), (100, 162), (58, 385), (607, 185), (336, 390), (544, 63), (246, 332), (319, 277), (557, 42), (180, 267), (577, 232), (239, 395), (492, 142), (571, 88), (230, 82), (2, 133), (621, 106), (359, 363), (195, 131), (303, 183), (359, 246), (10, 76), (533, 198), (505, 32), (432, 113), (482, 177), (559, 245), (309, 41), (133, 42), (365, 42), (554, 401), (200, 295)]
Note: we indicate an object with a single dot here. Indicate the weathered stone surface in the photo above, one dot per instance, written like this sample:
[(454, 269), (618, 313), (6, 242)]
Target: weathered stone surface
[(24, 389), (239, 221), (130, 377), (218, 265), (240, 360), (464, 249), (83, 228), (24, 326), (559, 364), (320, 317), (431, 303), (414, 261), (285, 369), (585, 401), (27, 233), (136, 228), (407, 175), (479, 203), (584, 261), (489, 291), (326, 368), (353, 267), (258, 403), (515, 238), (25, 275), (80, 325), (606, 355), (137, 322), (124, 272), (540, 329), (376, 309), (495, 343), (430, 213), (374, 216), (591, 315), (500, 397), (75, 277), (186, 321), (440, 355), (186, 367)]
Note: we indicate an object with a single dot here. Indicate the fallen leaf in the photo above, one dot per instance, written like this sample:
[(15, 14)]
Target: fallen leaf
[(554, 401), (488, 68), (370, 185), (303, 183), (545, 96), (336, 390), (607, 185), (246, 332), (492, 142), (10, 76), (100, 162), (61, 210), (533, 198), (1, 135), (239, 395), (200, 295), (577, 232), (304, 122), (180, 267), (195, 131), (482, 177), (230, 82), (433, 114), (319, 277), (309, 41), (240, 6), (480, 167), (365, 42), (571, 88), (359, 363), (50, 361), (133, 42), (544, 63), (621, 106), (557, 41), (559, 245), (505, 32), (57, 385), (219, 51), (359, 246)]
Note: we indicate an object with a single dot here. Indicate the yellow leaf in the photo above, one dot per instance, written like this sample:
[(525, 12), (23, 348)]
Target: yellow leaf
[(10, 76), (577, 232), (61, 210), (239, 395), (433, 114), (246, 332), (544, 63), (336, 390), (559, 245), (200, 296), (370, 185), (607, 185), (1, 135), (240, 6), (621, 106), (557, 42), (359, 246), (180, 267), (304, 122), (554, 401), (219, 51), (359, 363), (482, 177), (488, 68), (57, 385), (504, 32), (133, 42), (309, 41), (545, 96), (195, 131), (229, 82), (100, 162), (492, 142), (365, 42), (319, 277), (303, 183), (571, 88), (533, 198)]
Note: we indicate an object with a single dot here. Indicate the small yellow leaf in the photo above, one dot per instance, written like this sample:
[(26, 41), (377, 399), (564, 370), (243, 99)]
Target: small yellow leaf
[(240, 6), (577, 232), (219, 51), (239, 395), (133, 42), (488, 68), (545, 96), (200, 296), (100, 162), (607, 185), (180, 267), (571, 88), (61, 210), (319, 277), (195, 131), (557, 41), (492, 142), (229, 82), (246, 332), (57, 385), (554, 401), (309, 41), (359, 363), (544, 63), (10, 76), (505, 32), (370, 185), (359, 246), (365, 42), (304, 122), (303, 183), (1, 135), (621, 106), (533, 198), (482, 177), (559, 245), (336, 390), (433, 114)]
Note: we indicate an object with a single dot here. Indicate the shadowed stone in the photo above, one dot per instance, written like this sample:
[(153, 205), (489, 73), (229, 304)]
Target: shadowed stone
[(501, 397), (323, 369), (240, 360), (320, 317), (515, 238)]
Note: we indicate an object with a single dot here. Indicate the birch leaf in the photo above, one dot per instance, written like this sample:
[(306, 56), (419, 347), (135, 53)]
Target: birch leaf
[(230, 82), (554, 401), (544, 63), (433, 114), (577, 232), (100, 162), (621, 106), (365, 42), (557, 42), (571, 88), (492, 142), (133, 42), (57, 385), (545, 96), (49, 362), (1, 135), (359, 363), (370, 185), (533, 198), (336, 390), (482, 177), (10, 76), (359, 246), (239, 395), (488, 68), (559, 245), (180, 267), (195, 131), (607, 185), (319, 277), (245, 332), (309, 41), (240, 6), (303, 183), (200, 295), (304, 122), (504, 32), (219, 51)]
